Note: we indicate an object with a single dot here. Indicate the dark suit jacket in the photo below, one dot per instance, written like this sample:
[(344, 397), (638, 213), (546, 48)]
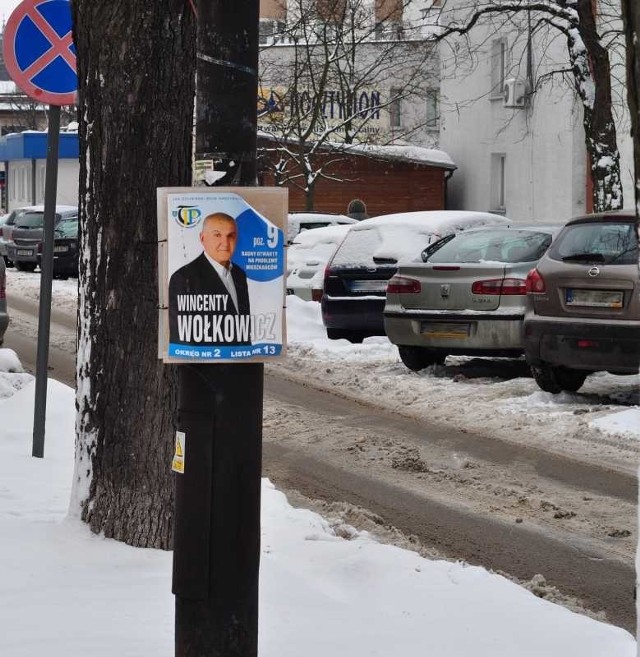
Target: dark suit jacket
[(199, 277)]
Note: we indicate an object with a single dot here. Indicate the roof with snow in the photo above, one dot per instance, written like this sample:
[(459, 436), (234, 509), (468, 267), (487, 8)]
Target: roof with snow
[(394, 152), (406, 153)]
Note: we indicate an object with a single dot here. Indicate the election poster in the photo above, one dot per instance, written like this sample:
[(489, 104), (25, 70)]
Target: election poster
[(221, 274)]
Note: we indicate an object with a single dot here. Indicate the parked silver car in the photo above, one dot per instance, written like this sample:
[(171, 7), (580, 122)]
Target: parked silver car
[(4, 313), (466, 297)]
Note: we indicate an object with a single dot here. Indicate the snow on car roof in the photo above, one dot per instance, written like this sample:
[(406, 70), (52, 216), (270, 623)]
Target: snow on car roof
[(435, 220), (320, 216), (324, 235), (40, 208), (404, 235)]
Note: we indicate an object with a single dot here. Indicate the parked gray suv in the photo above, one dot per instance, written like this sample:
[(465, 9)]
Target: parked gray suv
[(584, 314)]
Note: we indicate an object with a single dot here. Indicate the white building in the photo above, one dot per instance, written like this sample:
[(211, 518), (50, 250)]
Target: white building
[(502, 104), (383, 53)]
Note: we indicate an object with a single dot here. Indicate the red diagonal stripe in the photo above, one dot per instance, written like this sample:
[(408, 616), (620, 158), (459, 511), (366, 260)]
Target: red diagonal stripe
[(59, 46)]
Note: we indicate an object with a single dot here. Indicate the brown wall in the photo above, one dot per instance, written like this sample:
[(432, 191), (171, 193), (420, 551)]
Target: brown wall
[(384, 186), (275, 9)]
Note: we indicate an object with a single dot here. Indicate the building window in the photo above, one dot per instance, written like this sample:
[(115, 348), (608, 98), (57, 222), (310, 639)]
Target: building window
[(499, 66), (433, 109), (395, 108), (498, 182)]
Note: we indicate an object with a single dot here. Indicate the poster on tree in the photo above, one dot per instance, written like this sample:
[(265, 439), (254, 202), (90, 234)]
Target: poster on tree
[(221, 274)]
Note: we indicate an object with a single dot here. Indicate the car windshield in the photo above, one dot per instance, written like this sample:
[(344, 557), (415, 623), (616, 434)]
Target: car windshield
[(67, 228), (496, 245), (606, 242)]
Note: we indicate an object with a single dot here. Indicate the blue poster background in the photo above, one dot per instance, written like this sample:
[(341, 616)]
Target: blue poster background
[(260, 248)]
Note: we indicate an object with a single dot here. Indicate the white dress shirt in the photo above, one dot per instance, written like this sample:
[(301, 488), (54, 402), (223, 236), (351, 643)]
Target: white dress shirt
[(227, 279)]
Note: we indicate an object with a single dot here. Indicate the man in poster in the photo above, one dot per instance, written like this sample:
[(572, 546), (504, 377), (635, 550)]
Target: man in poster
[(208, 297)]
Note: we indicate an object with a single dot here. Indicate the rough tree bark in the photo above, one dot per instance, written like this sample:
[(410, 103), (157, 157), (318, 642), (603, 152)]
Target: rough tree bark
[(631, 16), (136, 64)]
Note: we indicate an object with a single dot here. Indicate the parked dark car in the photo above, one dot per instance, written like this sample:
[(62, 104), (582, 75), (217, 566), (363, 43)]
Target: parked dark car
[(65, 249), (4, 313), (584, 315), (468, 297), (355, 281), (27, 236)]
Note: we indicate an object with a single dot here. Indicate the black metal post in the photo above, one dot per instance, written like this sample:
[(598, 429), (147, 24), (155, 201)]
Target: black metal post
[(217, 525), (46, 276)]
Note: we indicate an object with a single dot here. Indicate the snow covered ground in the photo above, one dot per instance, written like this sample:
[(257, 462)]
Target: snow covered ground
[(324, 589), (68, 593)]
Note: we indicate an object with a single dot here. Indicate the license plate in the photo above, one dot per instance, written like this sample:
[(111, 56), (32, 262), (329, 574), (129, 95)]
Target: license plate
[(368, 286), (444, 330), (60, 249), (24, 252), (594, 298)]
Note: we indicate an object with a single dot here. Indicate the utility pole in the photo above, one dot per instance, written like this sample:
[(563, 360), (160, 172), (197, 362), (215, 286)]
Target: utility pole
[(217, 526)]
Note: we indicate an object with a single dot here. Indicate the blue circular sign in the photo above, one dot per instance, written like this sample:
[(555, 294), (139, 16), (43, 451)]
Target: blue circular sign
[(39, 52)]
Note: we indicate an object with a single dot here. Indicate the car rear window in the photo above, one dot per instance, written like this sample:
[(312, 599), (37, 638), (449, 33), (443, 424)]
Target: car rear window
[(607, 242), (493, 246), (30, 220), (380, 245), (34, 220)]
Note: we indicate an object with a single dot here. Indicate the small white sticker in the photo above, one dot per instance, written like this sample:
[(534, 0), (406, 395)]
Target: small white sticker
[(177, 465)]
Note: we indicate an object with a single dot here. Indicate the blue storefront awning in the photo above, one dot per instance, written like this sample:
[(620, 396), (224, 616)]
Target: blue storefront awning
[(33, 146)]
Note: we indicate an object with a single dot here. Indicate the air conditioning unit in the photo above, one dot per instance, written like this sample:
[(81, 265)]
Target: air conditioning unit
[(515, 93)]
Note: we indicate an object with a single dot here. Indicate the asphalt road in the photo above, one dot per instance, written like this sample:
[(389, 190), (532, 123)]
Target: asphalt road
[(578, 568)]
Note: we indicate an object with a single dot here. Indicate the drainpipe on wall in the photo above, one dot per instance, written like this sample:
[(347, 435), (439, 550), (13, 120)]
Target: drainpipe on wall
[(33, 182), (447, 176)]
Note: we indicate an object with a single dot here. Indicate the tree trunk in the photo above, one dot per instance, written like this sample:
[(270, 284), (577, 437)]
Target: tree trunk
[(136, 63), (309, 196), (592, 73), (631, 15)]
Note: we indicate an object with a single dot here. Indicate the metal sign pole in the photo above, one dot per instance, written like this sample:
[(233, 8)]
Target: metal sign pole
[(217, 524), (46, 276)]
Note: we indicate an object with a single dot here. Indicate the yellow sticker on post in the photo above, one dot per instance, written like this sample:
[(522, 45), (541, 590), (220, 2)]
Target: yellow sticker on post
[(177, 465)]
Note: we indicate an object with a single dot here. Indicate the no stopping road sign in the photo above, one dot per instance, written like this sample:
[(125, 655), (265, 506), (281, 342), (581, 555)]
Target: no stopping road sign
[(39, 52)]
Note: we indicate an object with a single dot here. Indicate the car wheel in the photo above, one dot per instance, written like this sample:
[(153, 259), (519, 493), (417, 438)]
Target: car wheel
[(417, 358), (556, 378), (7, 262), (25, 266)]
